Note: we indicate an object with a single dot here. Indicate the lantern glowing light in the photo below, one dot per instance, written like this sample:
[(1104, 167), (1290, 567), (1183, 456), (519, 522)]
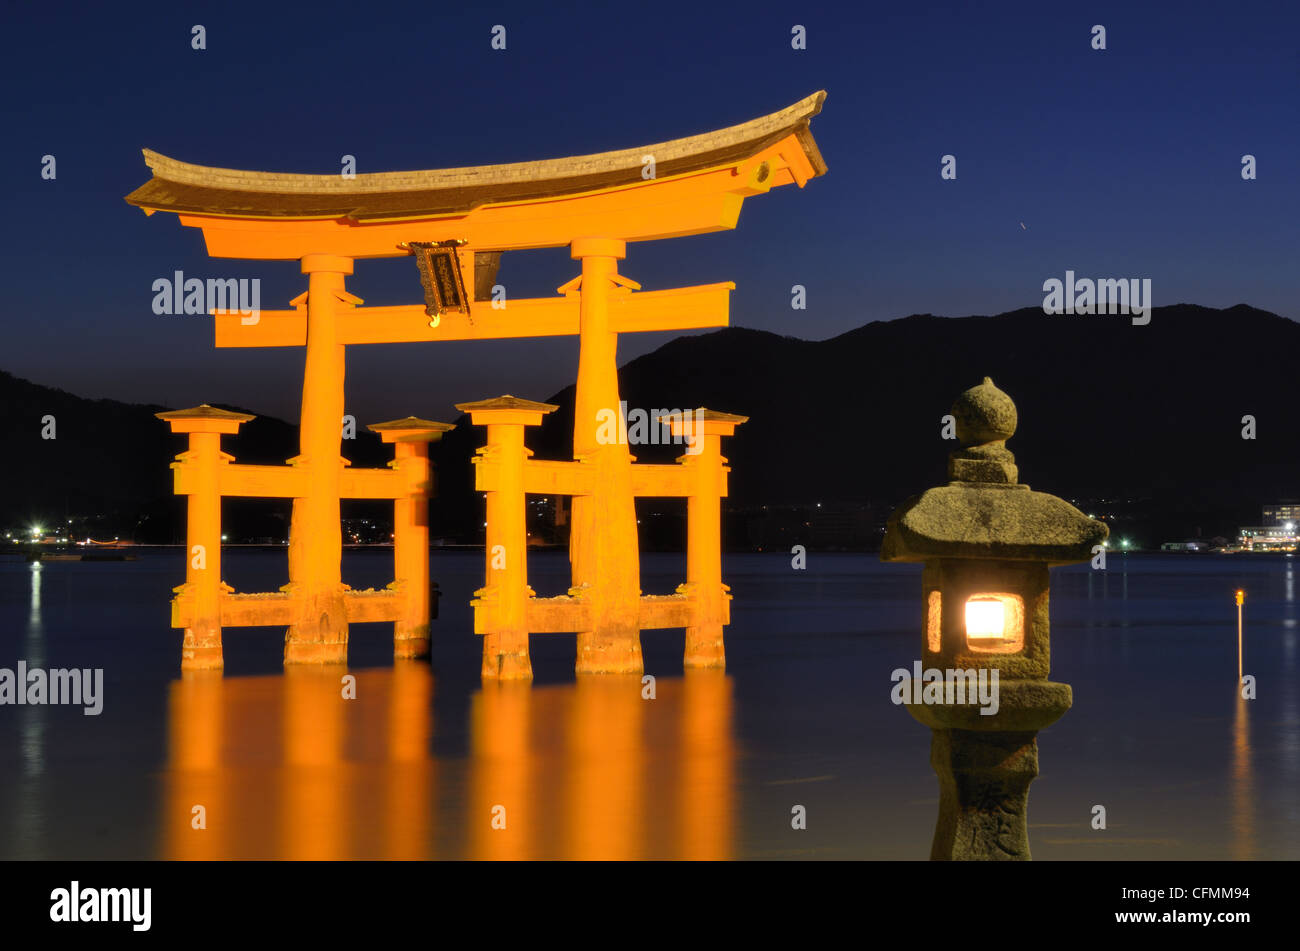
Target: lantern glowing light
[(986, 618), (995, 622)]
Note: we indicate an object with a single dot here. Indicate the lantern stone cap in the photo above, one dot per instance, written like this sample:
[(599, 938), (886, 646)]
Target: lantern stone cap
[(507, 409), (204, 419), (990, 521), (411, 429)]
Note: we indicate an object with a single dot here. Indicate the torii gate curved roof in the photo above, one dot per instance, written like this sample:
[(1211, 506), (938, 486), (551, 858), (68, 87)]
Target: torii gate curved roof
[(698, 184), (199, 189)]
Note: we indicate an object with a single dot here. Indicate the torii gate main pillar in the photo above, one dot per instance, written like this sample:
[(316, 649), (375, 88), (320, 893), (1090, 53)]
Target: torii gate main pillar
[(603, 547), (319, 633)]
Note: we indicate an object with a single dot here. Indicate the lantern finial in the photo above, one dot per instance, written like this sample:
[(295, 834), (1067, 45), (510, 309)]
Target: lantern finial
[(986, 418)]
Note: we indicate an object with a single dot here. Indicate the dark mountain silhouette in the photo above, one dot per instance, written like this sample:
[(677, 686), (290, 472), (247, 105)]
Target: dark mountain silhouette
[(1108, 411), (108, 466)]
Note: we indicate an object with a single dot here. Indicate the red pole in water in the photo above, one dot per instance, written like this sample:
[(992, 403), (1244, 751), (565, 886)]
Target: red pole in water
[(1241, 599)]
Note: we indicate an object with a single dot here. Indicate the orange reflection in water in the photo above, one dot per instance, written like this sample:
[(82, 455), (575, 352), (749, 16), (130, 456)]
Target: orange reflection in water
[(311, 802), (606, 767), (503, 814), (705, 822), (592, 770), (286, 768), (1244, 844)]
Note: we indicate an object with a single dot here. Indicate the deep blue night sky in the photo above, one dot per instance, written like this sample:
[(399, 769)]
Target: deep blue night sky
[(1120, 163)]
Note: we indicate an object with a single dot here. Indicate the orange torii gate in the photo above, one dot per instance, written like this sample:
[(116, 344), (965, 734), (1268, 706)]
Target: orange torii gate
[(456, 222)]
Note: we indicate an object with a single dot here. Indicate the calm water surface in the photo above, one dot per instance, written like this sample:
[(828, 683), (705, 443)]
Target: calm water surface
[(711, 768)]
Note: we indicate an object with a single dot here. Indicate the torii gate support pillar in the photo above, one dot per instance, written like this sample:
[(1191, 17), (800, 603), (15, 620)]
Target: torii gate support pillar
[(708, 479), (410, 438), (203, 588), (505, 646)]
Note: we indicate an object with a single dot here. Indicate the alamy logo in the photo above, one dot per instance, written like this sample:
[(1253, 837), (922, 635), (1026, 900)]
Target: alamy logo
[(102, 904), (182, 295), (645, 429), (952, 687), (36, 686), (1102, 296)]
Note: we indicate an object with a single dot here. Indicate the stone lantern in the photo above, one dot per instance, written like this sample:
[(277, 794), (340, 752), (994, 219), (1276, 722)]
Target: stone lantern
[(986, 542)]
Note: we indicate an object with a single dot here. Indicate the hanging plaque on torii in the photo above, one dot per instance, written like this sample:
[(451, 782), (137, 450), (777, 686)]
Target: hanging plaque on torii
[(440, 275)]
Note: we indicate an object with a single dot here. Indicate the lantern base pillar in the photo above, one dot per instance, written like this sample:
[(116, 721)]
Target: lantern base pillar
[(984, 779)]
